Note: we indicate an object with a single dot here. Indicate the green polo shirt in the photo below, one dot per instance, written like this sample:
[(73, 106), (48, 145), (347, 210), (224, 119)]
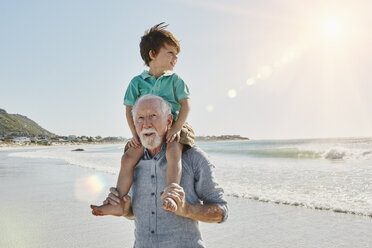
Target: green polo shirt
[(169, 86)]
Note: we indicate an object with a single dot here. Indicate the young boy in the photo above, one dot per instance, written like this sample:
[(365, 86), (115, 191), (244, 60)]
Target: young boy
[(159, 49)]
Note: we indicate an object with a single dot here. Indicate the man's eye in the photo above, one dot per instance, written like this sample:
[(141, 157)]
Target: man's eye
[(140, 119)]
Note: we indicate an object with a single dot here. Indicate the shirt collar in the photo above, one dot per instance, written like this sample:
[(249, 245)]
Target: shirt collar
[(147, 155), (145, 74)]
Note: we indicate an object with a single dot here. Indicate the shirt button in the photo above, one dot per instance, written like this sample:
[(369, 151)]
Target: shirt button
[(152, 176), (152, 231), (156, 86), (153, 193), (153, 212)]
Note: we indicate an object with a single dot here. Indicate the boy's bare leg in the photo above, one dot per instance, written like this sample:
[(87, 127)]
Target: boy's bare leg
[(173, 172), (125, 179)]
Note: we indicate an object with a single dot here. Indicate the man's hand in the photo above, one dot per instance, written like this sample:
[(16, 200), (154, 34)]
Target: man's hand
[(211, 213), (173, 135), (177, 193), (135, 142), (113, 199)]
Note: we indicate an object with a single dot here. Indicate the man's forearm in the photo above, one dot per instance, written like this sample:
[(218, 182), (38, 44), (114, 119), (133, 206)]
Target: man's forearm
[(211, 213)]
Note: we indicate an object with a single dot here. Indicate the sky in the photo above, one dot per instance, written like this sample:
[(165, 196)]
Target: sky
[(261, 69)]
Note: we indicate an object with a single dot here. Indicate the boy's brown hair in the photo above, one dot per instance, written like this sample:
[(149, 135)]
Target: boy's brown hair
[(154, 39)]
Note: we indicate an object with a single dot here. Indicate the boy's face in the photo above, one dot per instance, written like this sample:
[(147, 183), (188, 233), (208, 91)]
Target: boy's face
[(166, 58)]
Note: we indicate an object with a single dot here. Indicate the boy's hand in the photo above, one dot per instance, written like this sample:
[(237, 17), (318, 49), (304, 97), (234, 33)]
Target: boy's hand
[(135, 142), (113, 199), (173, 135)]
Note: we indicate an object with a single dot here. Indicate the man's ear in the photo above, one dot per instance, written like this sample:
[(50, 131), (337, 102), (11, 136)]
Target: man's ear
[(169, 121)]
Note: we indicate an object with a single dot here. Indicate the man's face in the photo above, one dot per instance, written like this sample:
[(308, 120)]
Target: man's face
[(166, 58), (151, 124)]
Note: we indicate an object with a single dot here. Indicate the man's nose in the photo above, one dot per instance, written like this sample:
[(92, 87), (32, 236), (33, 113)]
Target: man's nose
[(147, 122)]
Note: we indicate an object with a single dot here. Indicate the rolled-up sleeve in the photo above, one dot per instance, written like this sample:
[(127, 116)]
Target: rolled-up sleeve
[(225, 211), (206, 186)]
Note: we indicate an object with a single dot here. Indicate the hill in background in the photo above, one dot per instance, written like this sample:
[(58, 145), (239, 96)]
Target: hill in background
[(19, 125), (15, 125)]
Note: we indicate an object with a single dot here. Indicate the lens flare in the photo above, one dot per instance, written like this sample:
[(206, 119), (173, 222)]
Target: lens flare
[(288, 57), (251, 81), (87, 189), (266, 71), (209, 108), (232, 93)]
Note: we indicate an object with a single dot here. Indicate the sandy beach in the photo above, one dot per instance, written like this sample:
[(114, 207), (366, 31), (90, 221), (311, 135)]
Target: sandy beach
[(41, 207)]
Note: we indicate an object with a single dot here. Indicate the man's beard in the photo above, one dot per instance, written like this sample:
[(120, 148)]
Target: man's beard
[(152, 141)]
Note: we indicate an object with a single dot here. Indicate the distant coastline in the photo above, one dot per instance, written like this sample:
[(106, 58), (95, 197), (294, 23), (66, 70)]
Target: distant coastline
[(83, 140), (220, 138), (17, 131)]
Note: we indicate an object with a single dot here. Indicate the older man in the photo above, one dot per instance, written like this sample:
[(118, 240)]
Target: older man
[(198, 197)]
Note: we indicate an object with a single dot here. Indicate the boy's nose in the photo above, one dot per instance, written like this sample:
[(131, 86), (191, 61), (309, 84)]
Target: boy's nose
[(174, 61)]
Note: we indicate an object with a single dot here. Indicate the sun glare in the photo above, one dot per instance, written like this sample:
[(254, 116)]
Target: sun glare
[(332, 28)]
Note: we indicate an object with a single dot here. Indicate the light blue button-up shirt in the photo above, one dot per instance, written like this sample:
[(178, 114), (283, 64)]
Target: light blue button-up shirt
[(154, 226)]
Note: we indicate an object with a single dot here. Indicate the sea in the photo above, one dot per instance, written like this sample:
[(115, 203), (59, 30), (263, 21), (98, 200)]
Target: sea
[(325, 174)]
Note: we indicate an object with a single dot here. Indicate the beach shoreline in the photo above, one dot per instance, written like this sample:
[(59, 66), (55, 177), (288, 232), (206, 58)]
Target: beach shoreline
[(43, 207), (14, 146)]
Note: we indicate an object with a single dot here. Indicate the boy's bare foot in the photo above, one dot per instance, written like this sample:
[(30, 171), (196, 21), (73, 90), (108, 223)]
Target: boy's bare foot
[(107, 209), (169, 205)]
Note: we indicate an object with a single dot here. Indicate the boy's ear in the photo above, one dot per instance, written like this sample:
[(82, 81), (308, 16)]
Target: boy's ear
[(152, 54)]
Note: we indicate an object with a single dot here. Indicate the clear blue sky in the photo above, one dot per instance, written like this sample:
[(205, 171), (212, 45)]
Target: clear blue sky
[(261, 69)]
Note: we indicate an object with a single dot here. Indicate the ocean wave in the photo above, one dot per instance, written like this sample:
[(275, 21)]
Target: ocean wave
[(269, 153), (329, 153), (302, 204), (341, 153)]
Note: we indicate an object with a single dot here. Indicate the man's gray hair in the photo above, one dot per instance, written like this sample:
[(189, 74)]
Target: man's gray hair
[(165, 106)]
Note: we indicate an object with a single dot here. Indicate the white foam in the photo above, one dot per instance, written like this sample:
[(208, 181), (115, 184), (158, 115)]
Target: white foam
[(343, 186), (335, 153)]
